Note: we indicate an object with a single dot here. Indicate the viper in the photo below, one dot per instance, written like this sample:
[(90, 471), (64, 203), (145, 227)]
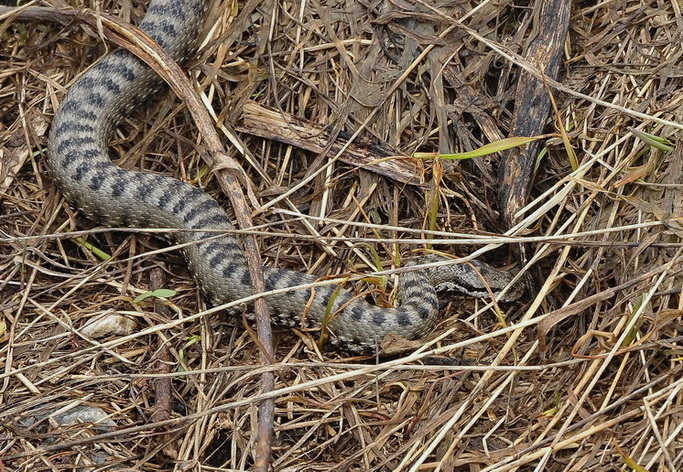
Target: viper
[(80, 165)]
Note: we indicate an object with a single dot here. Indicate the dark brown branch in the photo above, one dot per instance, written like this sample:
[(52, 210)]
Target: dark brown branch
[(532, 105)]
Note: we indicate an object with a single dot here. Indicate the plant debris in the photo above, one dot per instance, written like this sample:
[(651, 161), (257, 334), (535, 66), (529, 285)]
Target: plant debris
[(583, 374)]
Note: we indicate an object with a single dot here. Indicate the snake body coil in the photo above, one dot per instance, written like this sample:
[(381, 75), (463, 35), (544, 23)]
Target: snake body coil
[(80, 165)]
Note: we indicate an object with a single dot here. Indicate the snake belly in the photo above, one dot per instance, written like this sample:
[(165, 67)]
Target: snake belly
[(80, 165)]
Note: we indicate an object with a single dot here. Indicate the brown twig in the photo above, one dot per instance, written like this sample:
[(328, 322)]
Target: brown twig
[(227, 171), (277, 125), (162, 385)]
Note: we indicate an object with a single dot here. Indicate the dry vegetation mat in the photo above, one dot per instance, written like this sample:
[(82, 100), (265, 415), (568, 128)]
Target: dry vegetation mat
[(583, 373)]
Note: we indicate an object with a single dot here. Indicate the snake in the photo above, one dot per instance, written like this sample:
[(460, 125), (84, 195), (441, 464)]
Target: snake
[(79, 163)]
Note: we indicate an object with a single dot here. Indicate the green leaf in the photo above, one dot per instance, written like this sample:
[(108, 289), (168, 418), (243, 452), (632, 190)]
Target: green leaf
[(162, 293), (328, 313), (485, 150), (631, 336), (99, 253), (658, 142), (628, 460), (192, 340)]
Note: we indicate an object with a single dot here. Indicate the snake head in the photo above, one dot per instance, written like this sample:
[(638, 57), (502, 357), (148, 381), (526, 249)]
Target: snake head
[(474, 278)]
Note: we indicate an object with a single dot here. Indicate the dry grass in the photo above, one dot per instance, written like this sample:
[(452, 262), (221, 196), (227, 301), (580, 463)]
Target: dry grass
[(583, 375)]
